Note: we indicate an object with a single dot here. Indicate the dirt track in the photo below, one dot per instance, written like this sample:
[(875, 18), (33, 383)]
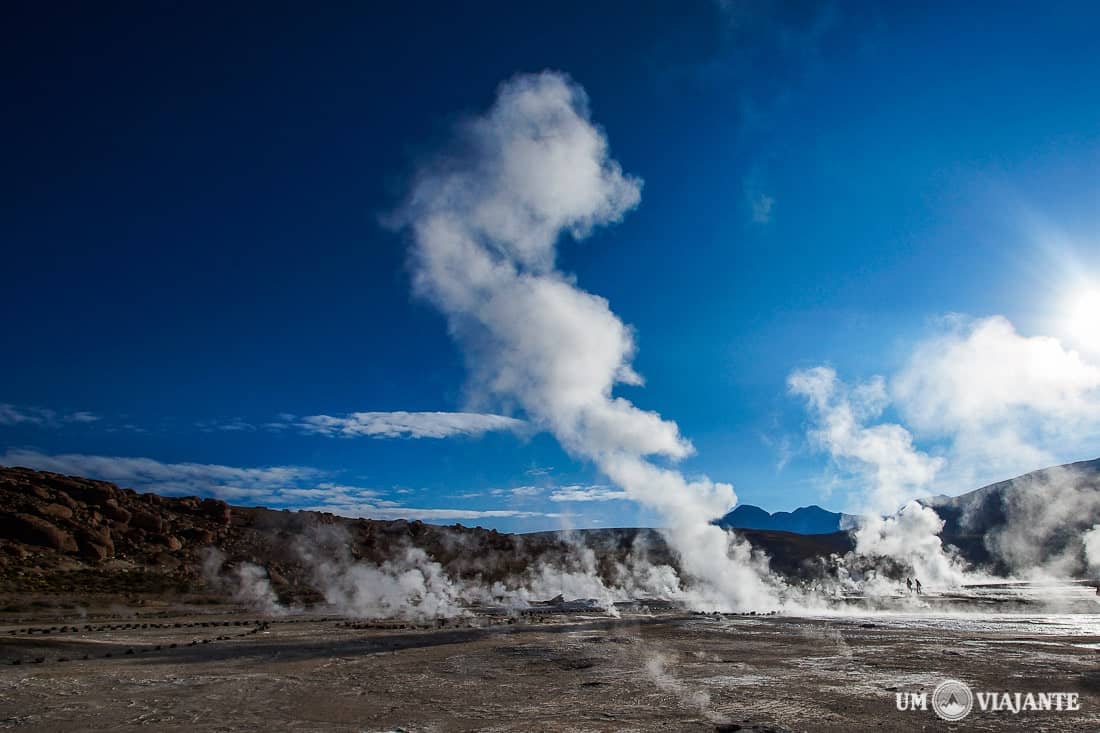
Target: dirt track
[(576, 673)]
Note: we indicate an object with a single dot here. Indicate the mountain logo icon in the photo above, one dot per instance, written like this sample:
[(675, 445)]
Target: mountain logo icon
[(952, 700)]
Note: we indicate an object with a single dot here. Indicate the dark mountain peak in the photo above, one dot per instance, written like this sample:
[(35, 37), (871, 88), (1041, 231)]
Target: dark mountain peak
[(803, 520), (811, 509), (749, 510)]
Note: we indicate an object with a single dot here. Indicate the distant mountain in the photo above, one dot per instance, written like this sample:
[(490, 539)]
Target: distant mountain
[(804, 520), (984, 509)]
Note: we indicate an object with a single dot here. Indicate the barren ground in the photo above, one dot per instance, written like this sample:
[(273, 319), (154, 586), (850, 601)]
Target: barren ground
[(232, 670)]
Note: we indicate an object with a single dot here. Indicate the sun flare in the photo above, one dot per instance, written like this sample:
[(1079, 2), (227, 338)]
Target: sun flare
[(1083, 318)]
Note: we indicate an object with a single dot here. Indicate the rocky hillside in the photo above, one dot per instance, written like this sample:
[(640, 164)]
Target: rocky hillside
[(65, 534), (71, 534)]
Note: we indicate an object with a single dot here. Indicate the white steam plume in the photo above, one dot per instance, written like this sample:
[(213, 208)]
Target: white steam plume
[(657, 667), (408, 585), (1091, 539), (247, 583), (1043, 522), (407, 582), (889, 468), (911, 537), (485, 220), (993, 402)]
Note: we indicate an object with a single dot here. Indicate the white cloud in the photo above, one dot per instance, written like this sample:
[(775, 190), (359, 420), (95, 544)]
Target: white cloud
[(228, 482), (277, 486), (517, 492), (1003, 402), (12, 415), (407, 424), (526, 491), (539, 471), (41, 417), (375, 512), (762, 206), (82, 417), (236, 425), (587, 493), (781, 445), (988, 402)]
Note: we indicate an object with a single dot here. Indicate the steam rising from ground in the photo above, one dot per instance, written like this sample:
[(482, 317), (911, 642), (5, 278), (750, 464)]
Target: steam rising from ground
[(911, 538), (1091, 540), (485, 219), (889, 470), (985, 399), (657, 667), (412, 585), (245, 582), (1043, 523)]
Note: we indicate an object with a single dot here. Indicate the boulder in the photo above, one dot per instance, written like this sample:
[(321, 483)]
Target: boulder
[(94, 552), (63, 498), (112, 510), (277, 579), (92, 492), (96, 543), (147, 520), (217, 510), (172, 543), (197, 536), (33, 530), (56, 511)]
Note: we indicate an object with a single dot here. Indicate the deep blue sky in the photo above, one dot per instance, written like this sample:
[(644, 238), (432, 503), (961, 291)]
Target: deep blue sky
[(192, 196)]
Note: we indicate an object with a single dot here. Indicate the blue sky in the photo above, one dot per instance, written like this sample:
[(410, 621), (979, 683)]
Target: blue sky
[(201, 287)]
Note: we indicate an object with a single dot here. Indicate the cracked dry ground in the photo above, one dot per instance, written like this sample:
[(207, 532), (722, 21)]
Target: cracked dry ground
[(643, 673)]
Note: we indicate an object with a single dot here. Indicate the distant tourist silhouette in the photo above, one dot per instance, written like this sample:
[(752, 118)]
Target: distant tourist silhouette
[(909, 584), (917, 581)]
